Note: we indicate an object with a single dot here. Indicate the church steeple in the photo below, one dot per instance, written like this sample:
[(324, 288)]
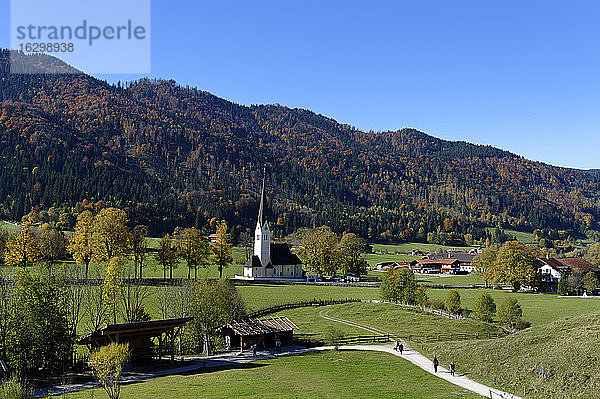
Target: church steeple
[(262, 241), (262, 210)]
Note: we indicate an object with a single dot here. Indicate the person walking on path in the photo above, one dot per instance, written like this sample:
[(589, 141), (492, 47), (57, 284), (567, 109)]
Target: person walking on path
[(254, 350), (397, 345), (452, 368), (435, 363), (401, 348)]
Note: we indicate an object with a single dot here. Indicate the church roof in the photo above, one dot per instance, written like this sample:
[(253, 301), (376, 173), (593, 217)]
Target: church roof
[(281, 255), (262, 210), (254, 261)]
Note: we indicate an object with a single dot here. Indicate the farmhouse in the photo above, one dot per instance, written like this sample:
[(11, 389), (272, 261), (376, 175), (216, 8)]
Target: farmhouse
[(430, 266), (391, 265), (271, 261), (554, 269)]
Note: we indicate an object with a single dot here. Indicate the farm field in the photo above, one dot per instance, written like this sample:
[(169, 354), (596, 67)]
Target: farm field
[(392, 318), (316, 375)]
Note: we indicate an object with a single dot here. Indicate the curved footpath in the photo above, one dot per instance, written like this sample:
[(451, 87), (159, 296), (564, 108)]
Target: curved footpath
[(235, 359), (417, 359)]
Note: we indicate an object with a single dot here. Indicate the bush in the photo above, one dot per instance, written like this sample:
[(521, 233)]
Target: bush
[(522, 324), (510, 312), (485, 308), (453, 303), (436, 304), (12, 389), (334, 335), (563, 287), (107, 366)]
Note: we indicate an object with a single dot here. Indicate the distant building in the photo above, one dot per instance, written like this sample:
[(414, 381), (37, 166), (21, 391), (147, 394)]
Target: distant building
[(271, 261), (383, 266), (554, 269), (430, 266)]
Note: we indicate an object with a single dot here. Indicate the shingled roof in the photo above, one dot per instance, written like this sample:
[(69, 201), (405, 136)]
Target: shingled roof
[(261, 326), (437, 261), (579, 265)]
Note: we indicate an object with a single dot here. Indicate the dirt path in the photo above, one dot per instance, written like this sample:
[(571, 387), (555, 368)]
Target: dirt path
[(418, 360)]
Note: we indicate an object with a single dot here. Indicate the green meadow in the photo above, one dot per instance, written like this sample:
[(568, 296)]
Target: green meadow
[(344, 374)]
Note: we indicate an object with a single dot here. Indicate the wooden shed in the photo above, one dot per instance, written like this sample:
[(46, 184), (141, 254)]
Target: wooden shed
[(264, 332), (139, 336)]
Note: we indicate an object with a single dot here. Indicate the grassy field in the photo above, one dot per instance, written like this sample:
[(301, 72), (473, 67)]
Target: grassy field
[(388, 317), (467, 279), (557, 360), (405, 247), (526, 238), (314, 375), (537, 308), (374, 259), (262, 295), (11, 228)]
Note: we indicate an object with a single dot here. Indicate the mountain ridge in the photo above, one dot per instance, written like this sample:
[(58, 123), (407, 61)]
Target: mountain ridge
[(177, 155)]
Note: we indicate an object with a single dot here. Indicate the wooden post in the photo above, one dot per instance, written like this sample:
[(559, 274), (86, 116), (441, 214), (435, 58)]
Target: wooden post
[(172, 334), (160, 342)]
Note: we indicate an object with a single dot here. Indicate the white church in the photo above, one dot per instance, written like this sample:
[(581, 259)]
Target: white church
[(271, 261)]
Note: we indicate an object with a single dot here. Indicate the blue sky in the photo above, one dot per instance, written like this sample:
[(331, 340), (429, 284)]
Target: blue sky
[(519, 75)]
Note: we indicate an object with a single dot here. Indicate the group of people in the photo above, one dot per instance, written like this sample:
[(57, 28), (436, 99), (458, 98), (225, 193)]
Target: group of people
[(436, 363), (254, 347), (399, 347)]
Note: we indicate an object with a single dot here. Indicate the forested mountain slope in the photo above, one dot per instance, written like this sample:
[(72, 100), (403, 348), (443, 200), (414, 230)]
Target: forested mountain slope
[(174, 155)]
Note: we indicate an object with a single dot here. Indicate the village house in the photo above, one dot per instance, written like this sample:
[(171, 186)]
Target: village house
[(434, 266), (383, 266), (552, 270)]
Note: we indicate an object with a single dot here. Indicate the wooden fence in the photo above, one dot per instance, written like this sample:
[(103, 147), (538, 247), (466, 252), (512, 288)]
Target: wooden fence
[(313, 302), (452, 337), (382, 338)]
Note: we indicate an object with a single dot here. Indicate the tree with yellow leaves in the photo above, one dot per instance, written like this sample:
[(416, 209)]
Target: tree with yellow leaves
[(81, 242), (107, 365), (23, 248), (194, 249), (110, 287), (110, 235), (221, 249)]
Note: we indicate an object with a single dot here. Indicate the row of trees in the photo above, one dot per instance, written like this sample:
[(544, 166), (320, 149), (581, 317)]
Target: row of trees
[(103, 237), (323, 252)]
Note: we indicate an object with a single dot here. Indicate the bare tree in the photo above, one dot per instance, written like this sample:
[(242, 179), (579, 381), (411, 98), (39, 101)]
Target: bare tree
[(75, 295), (133, 295), (139, 247), (175, 302), (94, 308)]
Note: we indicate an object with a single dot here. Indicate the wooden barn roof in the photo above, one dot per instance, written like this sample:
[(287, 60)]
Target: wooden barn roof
[(141, 328), (262, 326)]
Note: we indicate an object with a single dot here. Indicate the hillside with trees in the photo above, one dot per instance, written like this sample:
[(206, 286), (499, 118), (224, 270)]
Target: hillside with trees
[(171, 155)]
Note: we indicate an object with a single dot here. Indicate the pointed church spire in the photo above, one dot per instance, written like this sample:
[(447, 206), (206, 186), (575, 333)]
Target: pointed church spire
[(262, 210)]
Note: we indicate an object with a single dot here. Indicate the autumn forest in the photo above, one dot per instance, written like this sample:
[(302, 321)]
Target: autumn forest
[(177, 156)]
